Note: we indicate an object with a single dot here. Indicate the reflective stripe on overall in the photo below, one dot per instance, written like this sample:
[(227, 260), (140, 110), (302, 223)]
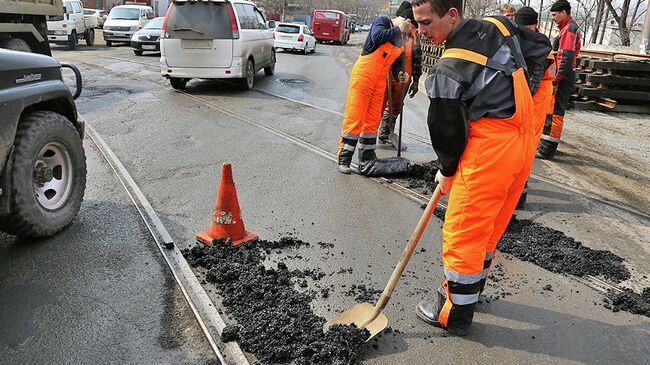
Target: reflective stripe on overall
[(488, 182), (364, 101)]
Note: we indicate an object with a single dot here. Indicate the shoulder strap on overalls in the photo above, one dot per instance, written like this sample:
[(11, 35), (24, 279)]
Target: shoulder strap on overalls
[(519, 59)]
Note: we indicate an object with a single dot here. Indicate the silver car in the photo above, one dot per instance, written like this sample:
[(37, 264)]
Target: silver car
[(215, 40)]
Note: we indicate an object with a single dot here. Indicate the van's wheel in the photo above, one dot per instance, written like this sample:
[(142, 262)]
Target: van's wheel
[(16, 44), (248, 81), (72, 40), (109, 44), (270, 70), (47, 176), (90, 37), (313, 50), (178, 83), (306, 49)]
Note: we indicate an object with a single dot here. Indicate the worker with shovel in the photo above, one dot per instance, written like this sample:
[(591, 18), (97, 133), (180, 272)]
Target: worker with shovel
[(411, 64), (480, 123), (366, 90)]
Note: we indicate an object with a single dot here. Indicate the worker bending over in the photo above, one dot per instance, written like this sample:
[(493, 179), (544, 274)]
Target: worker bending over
[(411, 63), (363, 106), (481, 127)]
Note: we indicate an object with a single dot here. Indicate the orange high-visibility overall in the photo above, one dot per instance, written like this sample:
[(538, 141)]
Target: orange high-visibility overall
[(490, 177), (363, 106), (544, 97)]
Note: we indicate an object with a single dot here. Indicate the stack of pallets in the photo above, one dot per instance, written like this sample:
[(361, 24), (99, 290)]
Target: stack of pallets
[(612, 82), (430, 54)]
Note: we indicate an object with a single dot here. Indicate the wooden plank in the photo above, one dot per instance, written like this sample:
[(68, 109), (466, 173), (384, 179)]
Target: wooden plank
[(617, 80), (619, 66), (615, 94), (620, 108)]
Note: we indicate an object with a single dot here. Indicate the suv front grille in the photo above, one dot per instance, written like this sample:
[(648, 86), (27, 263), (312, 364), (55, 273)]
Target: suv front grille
[(149, 38), (119, 29), (50, 32)]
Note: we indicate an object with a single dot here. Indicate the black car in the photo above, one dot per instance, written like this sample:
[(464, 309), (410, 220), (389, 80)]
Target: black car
[(42, 160), (147, 39)]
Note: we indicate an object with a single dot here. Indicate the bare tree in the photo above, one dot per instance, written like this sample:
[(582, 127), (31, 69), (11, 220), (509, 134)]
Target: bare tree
[(621, 19), (480, 8)]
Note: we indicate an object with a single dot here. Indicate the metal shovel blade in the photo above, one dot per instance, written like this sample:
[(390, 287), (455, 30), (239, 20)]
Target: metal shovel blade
[(361, 315)]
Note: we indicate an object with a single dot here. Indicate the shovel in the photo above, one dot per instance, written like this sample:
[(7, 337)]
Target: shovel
[(370, 317)]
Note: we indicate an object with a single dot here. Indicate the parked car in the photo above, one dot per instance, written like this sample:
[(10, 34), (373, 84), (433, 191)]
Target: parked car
[(365, 27), (295, 37), (92, 20), (124, 20), (148, 38), (100, 15), (69, 28), (215, 40), (42, 159)]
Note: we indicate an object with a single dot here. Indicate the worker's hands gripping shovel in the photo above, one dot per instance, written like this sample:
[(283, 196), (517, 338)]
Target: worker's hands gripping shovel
[(370, 317)]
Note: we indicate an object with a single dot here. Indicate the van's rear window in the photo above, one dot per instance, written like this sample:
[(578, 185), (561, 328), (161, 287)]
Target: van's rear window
[(288, 29), (199, 20), (327, 15)]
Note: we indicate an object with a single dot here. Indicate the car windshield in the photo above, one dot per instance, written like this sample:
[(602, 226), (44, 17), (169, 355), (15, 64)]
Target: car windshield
[(293, 29), (155, 24), (124, 13)]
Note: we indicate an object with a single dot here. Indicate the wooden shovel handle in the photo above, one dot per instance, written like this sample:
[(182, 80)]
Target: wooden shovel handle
[(408, 252)]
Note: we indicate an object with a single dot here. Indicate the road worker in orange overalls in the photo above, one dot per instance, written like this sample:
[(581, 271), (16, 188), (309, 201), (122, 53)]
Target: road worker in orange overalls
[(481, 127), (410, 62), (541, 77), (363, 106)]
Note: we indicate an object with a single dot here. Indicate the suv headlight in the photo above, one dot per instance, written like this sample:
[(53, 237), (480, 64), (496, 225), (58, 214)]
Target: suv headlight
[(134, 28)]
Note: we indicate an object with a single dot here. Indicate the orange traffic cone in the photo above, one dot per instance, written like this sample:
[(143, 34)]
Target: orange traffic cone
[(226, 220)]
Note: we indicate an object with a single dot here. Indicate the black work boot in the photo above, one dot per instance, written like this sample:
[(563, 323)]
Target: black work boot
[(522, 198), (386, 127), (546, 149), (428, 312), (367, 155), (345, 155), (367, 147)]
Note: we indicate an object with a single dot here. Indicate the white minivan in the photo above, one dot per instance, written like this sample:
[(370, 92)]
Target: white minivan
[(216, 39), (124, 20)]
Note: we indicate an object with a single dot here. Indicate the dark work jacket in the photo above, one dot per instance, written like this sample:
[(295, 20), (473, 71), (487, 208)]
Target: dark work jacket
[(461, 91)]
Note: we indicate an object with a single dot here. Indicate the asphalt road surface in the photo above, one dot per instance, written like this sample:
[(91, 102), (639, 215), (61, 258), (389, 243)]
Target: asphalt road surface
[(101, 292)]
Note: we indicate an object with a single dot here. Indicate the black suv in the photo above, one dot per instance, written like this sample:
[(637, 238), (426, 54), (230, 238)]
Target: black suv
[(42, 160)]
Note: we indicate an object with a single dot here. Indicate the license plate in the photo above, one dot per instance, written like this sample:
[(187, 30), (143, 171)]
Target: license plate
[(196, 43), (148, 46), (119, 34), (324, 33), (285, 37)]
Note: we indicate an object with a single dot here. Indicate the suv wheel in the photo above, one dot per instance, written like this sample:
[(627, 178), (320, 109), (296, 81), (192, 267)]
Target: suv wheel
[(248, 81), (109, 44), (47, 176), (138, 52), (16, 44), (178, 83), (72, 40), (90, 37), (270, 70)]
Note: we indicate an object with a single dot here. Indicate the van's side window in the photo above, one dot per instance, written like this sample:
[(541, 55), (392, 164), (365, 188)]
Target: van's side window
[(76, 7), (246, 19), (261, 23)]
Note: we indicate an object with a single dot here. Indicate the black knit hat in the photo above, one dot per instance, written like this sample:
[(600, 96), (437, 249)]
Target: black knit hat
[(526, 16), (560, 5), (405, 5), (408, 14)]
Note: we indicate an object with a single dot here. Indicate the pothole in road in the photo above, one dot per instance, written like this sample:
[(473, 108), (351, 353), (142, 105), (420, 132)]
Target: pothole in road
[(294, 81)]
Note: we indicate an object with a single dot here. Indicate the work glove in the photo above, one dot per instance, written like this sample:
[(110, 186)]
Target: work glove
[(404, 26), (402, 76), (444, 182), (413, 89)]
